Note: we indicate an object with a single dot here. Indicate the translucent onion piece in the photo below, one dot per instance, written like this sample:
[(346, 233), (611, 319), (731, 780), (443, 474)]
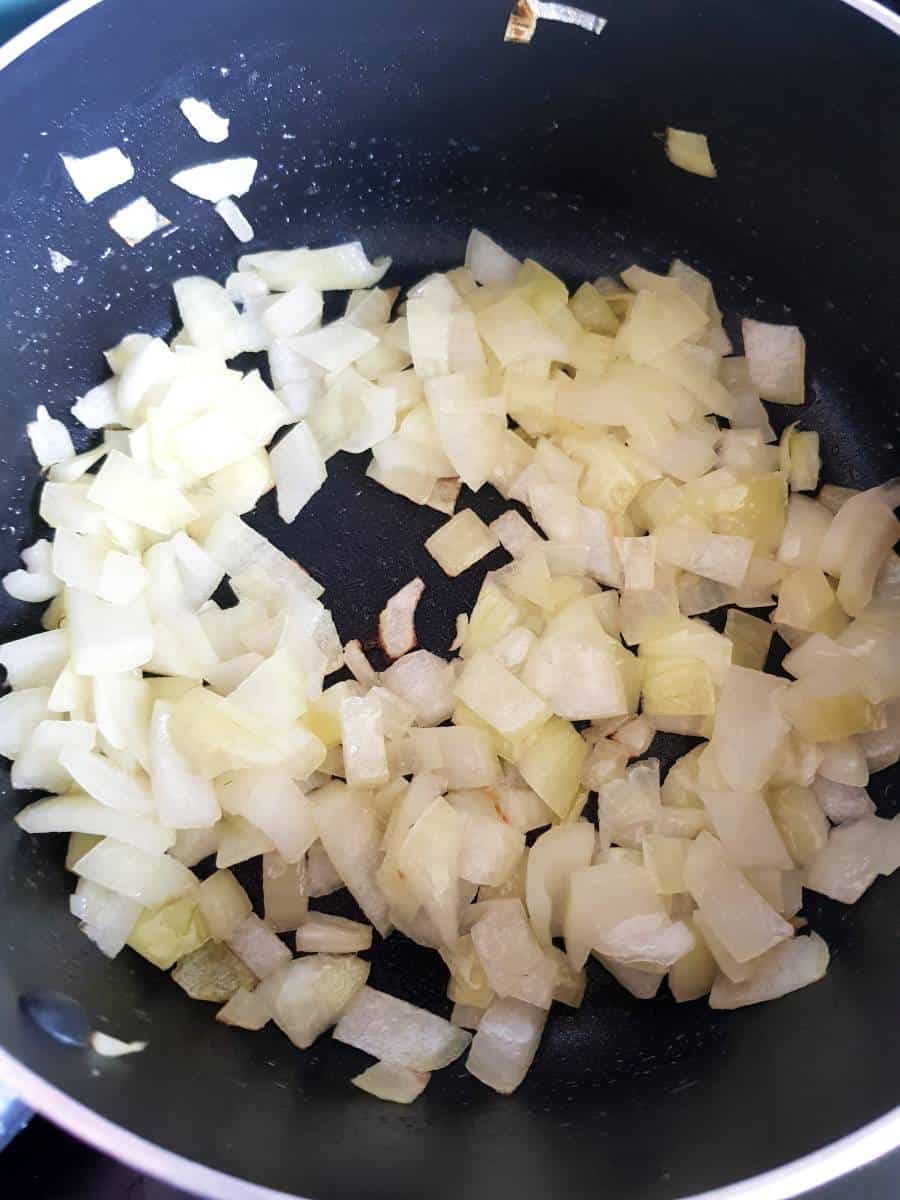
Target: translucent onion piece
[(505, 1044), (400, 1033), (551, 861), (321, 933), (388, 1081), (737, 914), (308, 996), (784, 969), (775, 358)]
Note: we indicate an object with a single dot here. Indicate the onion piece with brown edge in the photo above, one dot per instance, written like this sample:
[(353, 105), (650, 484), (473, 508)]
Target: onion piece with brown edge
[(396, 622)]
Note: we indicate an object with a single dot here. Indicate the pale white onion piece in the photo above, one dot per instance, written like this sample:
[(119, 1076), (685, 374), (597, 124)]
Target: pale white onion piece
[(49, 438), (776, 357), (38, 764), (551, 861), (489, 263), (245, 1010), (148, 878), (215, 181), (351, 835), (223, 903), (786, 968), (321, 933), (258, 946), (425, 682), (505, 1043), (98, 173), (856, 854), (388, 1081), (391, 1029), (75, 813), (841, 803), (206, 121), (112, 1047), (308, 995), (733, 910), (137, 221), (298, 469), (235, 220)]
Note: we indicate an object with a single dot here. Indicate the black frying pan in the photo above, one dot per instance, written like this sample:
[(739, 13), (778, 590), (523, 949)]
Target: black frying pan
[(408, 123)]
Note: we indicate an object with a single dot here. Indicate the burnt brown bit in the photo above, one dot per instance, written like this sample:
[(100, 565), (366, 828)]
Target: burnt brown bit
[(521, 24)]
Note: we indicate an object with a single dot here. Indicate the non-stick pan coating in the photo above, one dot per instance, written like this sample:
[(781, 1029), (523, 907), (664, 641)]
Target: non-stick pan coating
[(404, 123)]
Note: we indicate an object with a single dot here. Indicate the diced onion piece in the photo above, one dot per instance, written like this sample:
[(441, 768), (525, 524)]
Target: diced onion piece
[(551, 764), (749, 728), (425, 682), (107, 919), (215, 181), (206, 121), (856, 854), (396, 622), (489, 263), (112, 1047), (49, 438), (137, 221), (745, 828), (638, 556), (309, 995), (551, 861), (429, 859), (98, 173), (285, 891), (244, 1010), (224, 904), (235, 220), (358, 665), (258, 946), (712, 555), (513, 961), (128, 489), (351, 835), (499, 698), (148, 878), (784, 969), (362, 735), (750, 639), (614, 908), (505, 1043), (398, 1032), (776, 357), (213, 973), (321, 933), (461, 542), (388, 1081), (299, 470), (690, 151), (695, 972), (734, 911), (80, 814)]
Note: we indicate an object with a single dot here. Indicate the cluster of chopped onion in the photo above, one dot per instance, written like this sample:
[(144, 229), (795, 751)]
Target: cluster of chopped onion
[(449, 797)]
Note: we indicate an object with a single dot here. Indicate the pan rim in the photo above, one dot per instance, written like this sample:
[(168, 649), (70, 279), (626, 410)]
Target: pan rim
[(831, 1162)]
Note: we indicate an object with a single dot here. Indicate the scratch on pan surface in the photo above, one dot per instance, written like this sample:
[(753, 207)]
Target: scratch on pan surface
[(524, 17)]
